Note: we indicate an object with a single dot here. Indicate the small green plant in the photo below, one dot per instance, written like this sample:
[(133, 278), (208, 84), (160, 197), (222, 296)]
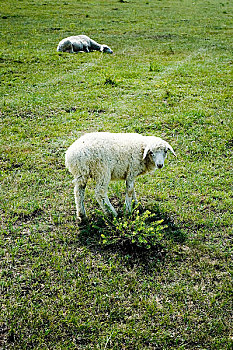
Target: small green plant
[(110, 81), (154, 67), (140, 230)]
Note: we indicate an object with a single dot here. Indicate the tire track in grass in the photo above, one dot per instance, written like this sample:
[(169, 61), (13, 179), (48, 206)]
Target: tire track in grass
[(73, 73), (170, 70), (40, 88), (127, 99)]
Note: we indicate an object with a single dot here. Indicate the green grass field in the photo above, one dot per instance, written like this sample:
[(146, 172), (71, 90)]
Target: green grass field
[(170, 76)]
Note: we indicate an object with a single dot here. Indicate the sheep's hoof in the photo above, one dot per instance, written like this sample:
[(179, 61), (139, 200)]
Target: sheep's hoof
[(112, 214), (81, 218)]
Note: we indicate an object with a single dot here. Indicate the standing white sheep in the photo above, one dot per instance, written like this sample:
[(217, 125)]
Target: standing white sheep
[(78, 43), (105, 156)]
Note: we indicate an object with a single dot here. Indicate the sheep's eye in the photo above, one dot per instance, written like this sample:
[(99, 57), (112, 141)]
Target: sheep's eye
[(165, 151)]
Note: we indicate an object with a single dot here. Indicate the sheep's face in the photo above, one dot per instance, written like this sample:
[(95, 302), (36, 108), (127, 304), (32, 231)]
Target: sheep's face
[(106, 49), (59, 48), (64, 45), (157, 154)]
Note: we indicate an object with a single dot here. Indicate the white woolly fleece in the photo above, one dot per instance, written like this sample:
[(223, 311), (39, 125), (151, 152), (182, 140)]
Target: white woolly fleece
[(105, 156)]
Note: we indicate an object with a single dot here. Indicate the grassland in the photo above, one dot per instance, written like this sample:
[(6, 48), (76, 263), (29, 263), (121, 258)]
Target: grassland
[(170, 76)]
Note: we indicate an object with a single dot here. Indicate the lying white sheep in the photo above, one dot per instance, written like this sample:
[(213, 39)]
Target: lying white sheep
[(105, 156), (77, 43)]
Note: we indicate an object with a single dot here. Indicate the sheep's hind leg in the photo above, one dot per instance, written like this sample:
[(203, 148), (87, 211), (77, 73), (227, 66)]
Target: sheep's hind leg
[(102, 197), (79, 191), (85, 48)]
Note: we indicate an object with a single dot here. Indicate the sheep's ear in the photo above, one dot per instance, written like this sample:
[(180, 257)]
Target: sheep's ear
[(146, 151), (171, 149)]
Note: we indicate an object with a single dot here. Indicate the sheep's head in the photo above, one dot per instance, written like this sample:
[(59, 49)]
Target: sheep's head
[(64, 45), (59, 48), (157, 150), (105, 49)]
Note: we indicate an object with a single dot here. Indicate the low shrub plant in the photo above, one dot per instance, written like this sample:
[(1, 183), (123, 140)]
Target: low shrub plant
[(136, 229)]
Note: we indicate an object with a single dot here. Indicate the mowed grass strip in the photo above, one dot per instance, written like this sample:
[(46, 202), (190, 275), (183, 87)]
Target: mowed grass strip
[(170, 76)]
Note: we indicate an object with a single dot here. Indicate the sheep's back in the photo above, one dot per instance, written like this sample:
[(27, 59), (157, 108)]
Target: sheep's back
[(117, 154)]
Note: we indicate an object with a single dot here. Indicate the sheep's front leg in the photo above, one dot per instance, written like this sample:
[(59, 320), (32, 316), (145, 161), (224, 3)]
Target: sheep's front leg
[(71, 49), (102, 196), (79, 191), (85, 48), (130, 194)]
